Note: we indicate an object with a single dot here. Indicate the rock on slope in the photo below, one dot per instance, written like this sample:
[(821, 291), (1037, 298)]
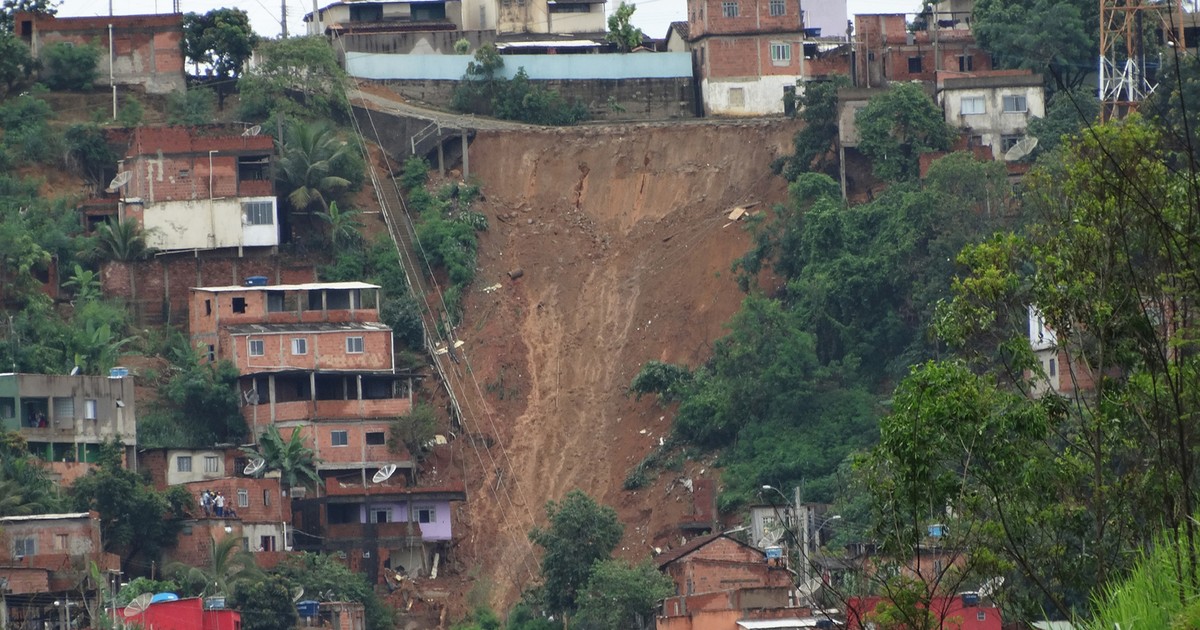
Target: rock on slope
[(623, 238)]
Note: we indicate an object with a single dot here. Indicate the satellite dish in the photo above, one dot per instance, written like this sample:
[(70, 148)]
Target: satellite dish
[(384, 473), (138, 605), (297, 593), (771, 536), (254, 467), (1023, 147), (253, 131), (75, 371), (120, 180), (251, 396)]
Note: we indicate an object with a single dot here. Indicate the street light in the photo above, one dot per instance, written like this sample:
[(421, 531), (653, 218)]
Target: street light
[(804, 531)]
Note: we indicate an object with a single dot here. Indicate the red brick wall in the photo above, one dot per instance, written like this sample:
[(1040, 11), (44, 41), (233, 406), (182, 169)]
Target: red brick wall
[(147, 47), (356, 450), (325, 350), (722, 565), (163, 285), (269, 508), (25, 580), (706, 17), (154, 464)]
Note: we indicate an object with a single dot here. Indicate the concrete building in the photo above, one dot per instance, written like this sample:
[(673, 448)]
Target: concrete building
[(201, 188), (43, 559), (344, 18), (65, 419), (966, 611), (141, 50), (192, 613), (993, 109)]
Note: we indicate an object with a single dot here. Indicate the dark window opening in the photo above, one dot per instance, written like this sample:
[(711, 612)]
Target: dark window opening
[(570, 8), (314, 301), (341, 514), (428, 11), (8, 408), (914, 65), (376, 438), (366, 13), (239, 305), (810, 51), (340, 299), (254, 167), (212, 352), (275, 302), (208, 307), (381, 388), (336, 388), (966, 63)]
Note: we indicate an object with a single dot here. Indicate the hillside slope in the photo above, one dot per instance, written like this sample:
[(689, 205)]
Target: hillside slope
[(622, 237)]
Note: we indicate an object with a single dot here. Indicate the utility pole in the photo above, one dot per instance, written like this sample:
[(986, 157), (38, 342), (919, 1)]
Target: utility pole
[(283, 18)]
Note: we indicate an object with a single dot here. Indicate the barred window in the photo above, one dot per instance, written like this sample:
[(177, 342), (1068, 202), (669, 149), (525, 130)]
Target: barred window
[(258, 212)]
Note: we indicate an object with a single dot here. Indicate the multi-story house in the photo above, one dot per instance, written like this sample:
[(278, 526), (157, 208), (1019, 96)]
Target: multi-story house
[(751, 55), (993, 108), (888, 48), (200, 188), (315, 358), (144, 50), (346, 17), (43, 562), (65, 419)]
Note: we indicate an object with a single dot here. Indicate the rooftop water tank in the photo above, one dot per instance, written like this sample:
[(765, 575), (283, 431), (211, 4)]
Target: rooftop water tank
[(256, 281)]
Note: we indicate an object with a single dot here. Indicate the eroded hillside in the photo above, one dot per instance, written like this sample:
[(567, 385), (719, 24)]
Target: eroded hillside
[(625, 246)]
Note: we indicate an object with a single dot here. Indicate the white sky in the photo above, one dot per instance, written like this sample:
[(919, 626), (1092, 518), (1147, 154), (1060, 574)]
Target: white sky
[(652, 16)]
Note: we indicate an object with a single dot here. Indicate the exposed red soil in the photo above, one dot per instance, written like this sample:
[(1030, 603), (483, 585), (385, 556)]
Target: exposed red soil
[(625, 246)]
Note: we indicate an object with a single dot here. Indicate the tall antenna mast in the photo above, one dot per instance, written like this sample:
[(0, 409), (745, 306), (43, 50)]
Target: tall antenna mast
[(1124, 82)]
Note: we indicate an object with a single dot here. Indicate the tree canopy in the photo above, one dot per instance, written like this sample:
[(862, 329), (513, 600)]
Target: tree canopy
[(620, 31), (896, 127), (222, 40), (579, 534), (1056, 37), (290, 67)]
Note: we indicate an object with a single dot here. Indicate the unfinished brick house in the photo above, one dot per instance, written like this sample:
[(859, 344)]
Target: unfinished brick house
[(65, 419), (200, 188), (43, 558), (314, 358), (750, 54), (146, 50), (887, 49)]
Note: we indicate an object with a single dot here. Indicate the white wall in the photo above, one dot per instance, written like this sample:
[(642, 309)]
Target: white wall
[(994, 122), (175, 477), (763, 95), (380, 66), (207, 224)]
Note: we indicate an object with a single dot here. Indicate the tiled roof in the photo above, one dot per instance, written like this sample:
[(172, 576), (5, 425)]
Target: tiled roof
[(678, 27)]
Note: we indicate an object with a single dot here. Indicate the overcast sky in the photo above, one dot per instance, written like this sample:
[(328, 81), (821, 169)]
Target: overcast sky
[(652, 16)]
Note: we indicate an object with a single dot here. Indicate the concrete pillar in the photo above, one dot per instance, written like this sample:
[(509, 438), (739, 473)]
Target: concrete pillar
[(466, 157)]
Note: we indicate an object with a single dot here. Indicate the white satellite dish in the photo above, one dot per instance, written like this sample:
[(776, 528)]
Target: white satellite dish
[(251, 396), (384, 473), (253, 131), (1023, 147), (254, 467), (771, 537), (138, 605), (297, 593), (120, 180)]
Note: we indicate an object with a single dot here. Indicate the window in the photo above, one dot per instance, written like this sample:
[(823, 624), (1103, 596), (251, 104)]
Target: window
[(212, 352), (375, 438), (559, 7), (914, 65), (89, 409), (381, 515), (8, 407), (183, 463), (267, 543), (426, 515), (778, 7), (184, 173), (1008, 141), (1015, 104), (966, 63), (981, 616), (972, 105), (64, 408), (243, 498), (354, 345), (729, 9), (211, 464), (781, 53), (257, 348), (299, 345), (25, 547), (239, 305), (339, 438), (258, 213), (61, 542), (208, 307), (254, 167), (1053, 367), (266, 497)]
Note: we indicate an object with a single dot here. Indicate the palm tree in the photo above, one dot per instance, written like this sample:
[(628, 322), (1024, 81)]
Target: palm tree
[(296, 462), (123, 241), (307, 166), (228, 564), (344, 225)]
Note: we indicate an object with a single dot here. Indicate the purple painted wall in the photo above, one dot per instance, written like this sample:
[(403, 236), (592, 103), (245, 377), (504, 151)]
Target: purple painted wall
[(439, 529)]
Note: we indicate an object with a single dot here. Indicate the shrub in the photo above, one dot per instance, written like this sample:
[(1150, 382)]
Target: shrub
[(191, 107), (131, 113), (69, 67), (414, 174), (88, 152)]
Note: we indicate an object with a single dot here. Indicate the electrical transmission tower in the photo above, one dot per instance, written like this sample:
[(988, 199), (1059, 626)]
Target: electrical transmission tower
[(1124, 81)]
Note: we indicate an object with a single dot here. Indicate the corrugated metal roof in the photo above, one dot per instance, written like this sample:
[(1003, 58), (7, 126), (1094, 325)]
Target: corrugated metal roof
[(315, 327), (44, 517), (307, 286)]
